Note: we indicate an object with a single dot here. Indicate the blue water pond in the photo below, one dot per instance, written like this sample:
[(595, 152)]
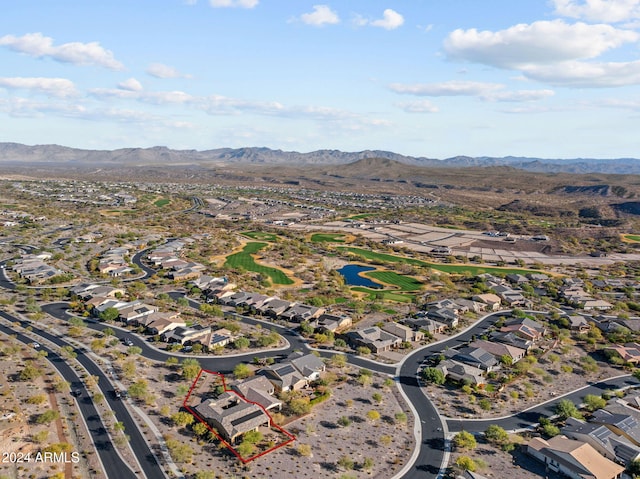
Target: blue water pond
[(351, 274)]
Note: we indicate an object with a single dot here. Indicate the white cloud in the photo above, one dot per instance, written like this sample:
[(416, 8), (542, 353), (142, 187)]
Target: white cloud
[(234, 3), (420, 106), (152, 97), (59, 87), (586, 75), (518, 95), (608, 11), (160, 70), (131, 84), (390, 20), (481, 90), (321, 15), (37, 45), (450, 88), (542, 42)]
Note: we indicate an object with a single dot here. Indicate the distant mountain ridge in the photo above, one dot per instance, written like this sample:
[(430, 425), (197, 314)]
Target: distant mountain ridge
[(21, 155)]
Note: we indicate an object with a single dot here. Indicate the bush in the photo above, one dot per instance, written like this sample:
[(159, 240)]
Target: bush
[(464, 440), (433, 375)]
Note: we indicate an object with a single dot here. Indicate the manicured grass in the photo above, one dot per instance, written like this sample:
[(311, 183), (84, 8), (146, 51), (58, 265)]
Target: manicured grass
[(162, 202), (243, 259), (383, 257), (403, 282), (446, 268), (361, 216), (385, 295), (260, 235), (328, 238), (632, 238)]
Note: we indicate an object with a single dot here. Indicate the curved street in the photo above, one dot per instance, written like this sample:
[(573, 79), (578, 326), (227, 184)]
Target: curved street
[(430, 459), (112, 462), (150, 466)]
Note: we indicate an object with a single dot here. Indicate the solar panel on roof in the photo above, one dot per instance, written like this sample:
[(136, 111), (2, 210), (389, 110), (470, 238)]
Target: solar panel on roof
[(286, 369), (248, 417)]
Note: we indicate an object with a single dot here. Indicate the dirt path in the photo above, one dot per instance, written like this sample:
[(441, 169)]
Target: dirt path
[(68, 468)]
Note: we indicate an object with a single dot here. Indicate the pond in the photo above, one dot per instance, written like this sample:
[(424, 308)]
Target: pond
[(351, 274)]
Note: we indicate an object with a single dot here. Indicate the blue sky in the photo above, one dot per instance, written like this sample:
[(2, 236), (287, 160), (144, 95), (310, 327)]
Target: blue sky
[(434, 78)]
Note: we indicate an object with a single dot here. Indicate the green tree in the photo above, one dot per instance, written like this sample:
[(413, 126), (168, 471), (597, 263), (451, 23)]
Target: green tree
[(30, 372), (339, 361), (200, 429), (496, 435), (593, 402), (139, 389), (300, 406), (254, 437), (242, 371), (466, 463), (109, 314), (190, 368), (134, 350), (433, 375), (550, 430), (485, 404), (171, 361), (241, 343), (245, 449), (47, 417), (37, 399), (566, 409), (182, 419), (179, 451), (465, 440)]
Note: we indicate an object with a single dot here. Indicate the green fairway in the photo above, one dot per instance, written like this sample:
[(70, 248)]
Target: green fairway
[(244, 260), (162, 202), (632, 238), (385, 295), (403, 282), (328, 238), (361, 216), (446, 268), (260, 235)]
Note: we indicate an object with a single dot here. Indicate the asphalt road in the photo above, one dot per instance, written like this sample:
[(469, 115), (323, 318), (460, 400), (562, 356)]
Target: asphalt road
[(113, 464), (140, 448), (531, 416), (433, 427)]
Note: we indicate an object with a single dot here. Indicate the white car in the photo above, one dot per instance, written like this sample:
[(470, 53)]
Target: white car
[(35, 345)]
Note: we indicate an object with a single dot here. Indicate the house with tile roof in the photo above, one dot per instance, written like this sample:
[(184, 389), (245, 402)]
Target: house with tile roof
[(260, 390), (374, 338), (232, 416), (575, 459)]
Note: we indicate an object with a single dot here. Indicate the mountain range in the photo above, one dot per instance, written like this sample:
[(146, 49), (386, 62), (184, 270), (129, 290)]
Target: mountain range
[(17, 154)]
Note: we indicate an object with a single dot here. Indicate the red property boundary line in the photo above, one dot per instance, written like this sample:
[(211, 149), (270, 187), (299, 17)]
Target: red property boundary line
[(229, 446)]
